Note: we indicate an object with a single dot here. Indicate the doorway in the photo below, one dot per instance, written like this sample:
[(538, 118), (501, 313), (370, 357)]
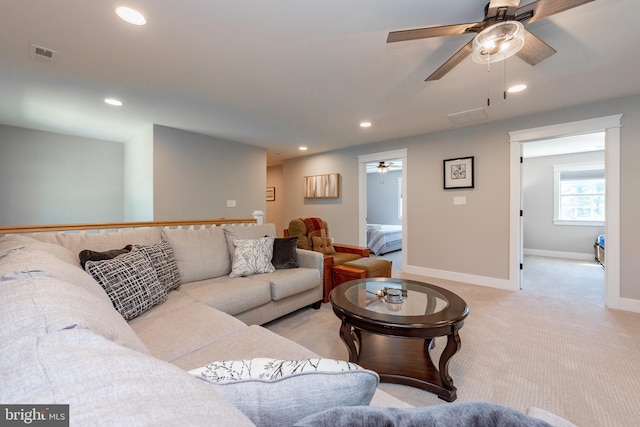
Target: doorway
[(400, 156), (563, 200), (610, 125)]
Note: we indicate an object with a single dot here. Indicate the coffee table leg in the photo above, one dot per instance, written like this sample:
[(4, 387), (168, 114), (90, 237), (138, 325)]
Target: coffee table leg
[(452, 347), (346, 333)]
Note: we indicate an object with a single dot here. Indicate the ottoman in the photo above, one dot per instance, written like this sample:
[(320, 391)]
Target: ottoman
[(360, 269)]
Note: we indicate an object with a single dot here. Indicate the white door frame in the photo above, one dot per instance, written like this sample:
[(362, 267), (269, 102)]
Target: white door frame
[(362, 194), (611, 126)]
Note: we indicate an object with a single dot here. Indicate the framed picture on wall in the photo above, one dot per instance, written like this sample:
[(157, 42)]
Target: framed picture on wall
[(271, 194), (322, 186), (458, 173)]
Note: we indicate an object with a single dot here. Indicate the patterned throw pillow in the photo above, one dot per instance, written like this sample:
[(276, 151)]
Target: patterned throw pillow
[(323, 245), (281, 392), (130, 282), (163, 261), (252, 256)]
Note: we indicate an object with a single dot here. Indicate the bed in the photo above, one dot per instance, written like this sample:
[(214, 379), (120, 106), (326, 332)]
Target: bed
[(383, 238)]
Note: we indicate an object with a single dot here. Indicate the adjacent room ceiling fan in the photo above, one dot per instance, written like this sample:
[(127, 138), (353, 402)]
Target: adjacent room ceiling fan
[(499, 35)]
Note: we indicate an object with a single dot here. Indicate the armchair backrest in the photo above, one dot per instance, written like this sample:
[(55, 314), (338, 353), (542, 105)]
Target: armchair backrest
[(306, 228)]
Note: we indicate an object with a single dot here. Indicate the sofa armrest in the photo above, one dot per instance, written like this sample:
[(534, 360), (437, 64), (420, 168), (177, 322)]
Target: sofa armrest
[(350, 249), (310, 259)]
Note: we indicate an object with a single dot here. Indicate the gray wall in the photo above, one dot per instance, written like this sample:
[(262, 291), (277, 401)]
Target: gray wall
[(471, 238), (275, 209), (194, 175), (383, 197), (540, 233), (51, 178)]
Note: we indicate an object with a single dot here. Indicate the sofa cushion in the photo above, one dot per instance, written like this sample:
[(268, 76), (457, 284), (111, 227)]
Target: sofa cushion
[(163, 261), (252, 256), (130, 282), (33, 262), (273, 392), (285, 283), (247, 343), (200, 254), (239, 232), (164, 329), (284, 253), (107, 384), (231, 295), (34, 303), (16, 241), (89, 255), (323, 245), (101, 242)]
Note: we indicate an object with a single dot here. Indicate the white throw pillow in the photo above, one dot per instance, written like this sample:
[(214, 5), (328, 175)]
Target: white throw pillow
[(252, 256), (274, 392)]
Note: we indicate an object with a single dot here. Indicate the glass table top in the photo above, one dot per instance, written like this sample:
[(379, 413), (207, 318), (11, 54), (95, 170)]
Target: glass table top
[(400, 298)]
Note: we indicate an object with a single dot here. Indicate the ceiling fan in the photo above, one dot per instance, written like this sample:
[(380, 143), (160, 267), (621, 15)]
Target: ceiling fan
[(502, 28), (384, 166)]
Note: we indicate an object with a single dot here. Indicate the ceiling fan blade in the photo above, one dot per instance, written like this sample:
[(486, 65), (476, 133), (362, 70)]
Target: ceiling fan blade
[(544, 8), (457, 58), (428, 32), (534, 49)]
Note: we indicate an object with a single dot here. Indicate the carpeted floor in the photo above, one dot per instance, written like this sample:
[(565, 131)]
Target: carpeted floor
[(552, 345)]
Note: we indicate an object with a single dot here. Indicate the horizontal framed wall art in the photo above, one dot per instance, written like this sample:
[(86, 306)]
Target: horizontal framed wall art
[(322, 186), (458, 173)]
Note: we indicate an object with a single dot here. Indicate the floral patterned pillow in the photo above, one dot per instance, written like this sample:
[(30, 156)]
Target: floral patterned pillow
[(281, 392), (252, 256)]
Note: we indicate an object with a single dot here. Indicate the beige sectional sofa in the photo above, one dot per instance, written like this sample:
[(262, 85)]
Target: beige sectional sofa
[(62, 341)]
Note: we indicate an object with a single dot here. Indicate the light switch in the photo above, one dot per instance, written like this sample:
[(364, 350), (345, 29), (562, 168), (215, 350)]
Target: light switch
[(460, 200), (231, 203)]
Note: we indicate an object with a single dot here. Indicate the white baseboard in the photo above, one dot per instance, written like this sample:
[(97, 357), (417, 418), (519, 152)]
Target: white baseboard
[(490, 282), (557, 254), (625, 304)]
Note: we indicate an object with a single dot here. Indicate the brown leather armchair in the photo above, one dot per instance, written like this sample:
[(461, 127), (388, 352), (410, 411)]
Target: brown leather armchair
[(313, 234)]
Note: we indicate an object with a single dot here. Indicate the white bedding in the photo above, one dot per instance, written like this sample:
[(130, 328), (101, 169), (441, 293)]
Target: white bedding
[(383, 238)]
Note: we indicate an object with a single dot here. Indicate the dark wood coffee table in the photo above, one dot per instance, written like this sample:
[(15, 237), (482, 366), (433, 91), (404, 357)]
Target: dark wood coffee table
[(395, 339)]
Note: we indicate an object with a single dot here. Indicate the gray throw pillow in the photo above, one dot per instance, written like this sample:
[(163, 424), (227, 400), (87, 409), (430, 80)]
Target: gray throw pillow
[(163, 261), (130, 282), (284, 253), (275, 392), (477, 414)]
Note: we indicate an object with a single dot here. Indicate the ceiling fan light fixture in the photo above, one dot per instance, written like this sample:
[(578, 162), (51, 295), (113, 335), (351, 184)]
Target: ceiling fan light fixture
[(382, 167), (498, 42)]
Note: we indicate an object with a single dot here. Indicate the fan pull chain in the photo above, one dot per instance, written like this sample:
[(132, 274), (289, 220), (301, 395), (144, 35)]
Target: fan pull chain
[(504, 88), (488, 84)]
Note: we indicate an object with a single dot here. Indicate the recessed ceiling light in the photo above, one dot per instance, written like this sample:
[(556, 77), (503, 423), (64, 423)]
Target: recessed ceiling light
[(302, 148), (130, 15), (517, 88), (113, 101), (365, 124)]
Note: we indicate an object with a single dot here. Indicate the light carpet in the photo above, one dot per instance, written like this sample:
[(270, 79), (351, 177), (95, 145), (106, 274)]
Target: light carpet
[(549, 345)]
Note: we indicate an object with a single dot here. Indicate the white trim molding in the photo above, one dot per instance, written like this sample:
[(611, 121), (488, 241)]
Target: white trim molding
[(490, 282)]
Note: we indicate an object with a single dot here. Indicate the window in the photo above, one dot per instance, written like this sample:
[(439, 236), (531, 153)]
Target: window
[(579, 194)]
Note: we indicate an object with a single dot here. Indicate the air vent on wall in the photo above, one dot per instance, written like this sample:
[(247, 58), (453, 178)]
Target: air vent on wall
[(468, 116), (43, 54)]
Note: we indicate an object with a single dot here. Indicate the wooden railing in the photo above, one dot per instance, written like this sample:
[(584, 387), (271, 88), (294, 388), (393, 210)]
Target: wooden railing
[(198, 223)]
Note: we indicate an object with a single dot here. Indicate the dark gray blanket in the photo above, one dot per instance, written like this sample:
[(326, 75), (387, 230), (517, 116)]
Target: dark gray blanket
[(461, 414)]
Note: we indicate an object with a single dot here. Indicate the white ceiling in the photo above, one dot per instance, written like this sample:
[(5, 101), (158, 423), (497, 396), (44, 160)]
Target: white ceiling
[(283, 73)]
